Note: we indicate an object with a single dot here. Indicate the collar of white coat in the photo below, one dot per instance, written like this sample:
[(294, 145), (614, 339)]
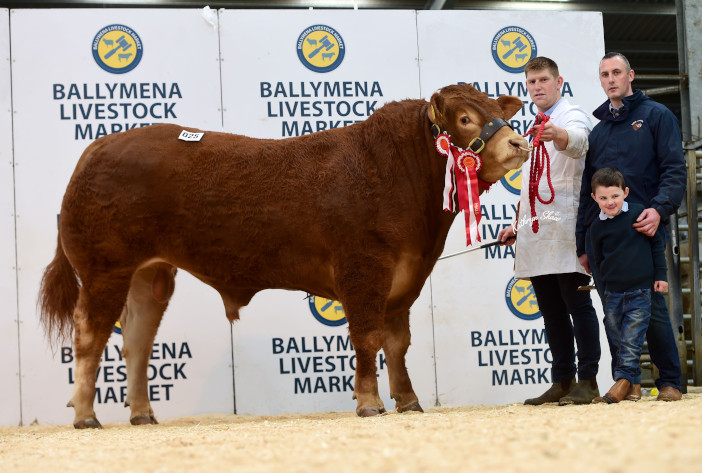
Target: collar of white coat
[(550, 111)]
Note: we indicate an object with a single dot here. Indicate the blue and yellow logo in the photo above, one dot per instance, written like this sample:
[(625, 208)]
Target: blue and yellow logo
[(117, 328), (320, 48), (512, 48), (117, 49), (327, 311), (513, 181), (521, 299)]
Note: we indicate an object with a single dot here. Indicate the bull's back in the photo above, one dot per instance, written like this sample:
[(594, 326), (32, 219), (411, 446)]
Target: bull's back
[(230, 199)]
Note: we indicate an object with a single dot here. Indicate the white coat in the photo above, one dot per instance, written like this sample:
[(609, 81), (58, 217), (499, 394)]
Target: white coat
[(552, 249)]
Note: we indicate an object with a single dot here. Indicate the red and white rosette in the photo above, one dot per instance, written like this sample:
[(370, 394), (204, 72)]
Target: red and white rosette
[(443, 146), (468, 160), (469, 164)]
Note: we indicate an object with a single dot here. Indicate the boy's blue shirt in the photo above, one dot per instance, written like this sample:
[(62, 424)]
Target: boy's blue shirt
[(604, 216)]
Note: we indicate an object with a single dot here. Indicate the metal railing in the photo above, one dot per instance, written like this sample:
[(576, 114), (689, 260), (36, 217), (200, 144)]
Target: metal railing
[(684, 294), (693, 345)]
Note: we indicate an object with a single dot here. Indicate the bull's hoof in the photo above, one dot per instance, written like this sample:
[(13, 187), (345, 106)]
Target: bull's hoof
[(369, 411), (89, 423), (143, 420), (413, 406)]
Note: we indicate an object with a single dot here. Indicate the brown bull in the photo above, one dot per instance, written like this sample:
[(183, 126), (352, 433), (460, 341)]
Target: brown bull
[(352, 214)]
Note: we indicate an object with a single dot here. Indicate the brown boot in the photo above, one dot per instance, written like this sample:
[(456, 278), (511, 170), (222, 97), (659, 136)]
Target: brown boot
[(615, 394), (554, 393), (634, 393), (585, 391), (669, 393)]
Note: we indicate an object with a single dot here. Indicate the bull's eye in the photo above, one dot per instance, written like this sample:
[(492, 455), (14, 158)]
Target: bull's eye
[(465, 120)]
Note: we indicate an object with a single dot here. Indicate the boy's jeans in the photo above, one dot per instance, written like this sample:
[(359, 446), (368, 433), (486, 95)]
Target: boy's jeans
[(661, 339), (627, 315)]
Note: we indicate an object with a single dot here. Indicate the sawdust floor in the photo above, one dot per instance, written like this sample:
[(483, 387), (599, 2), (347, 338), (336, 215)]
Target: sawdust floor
[(629, 437)]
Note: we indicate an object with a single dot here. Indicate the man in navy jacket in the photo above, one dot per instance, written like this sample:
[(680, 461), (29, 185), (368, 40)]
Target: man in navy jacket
[(641, 138)]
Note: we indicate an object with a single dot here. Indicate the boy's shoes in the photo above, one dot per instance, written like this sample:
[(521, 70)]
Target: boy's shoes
[(554, 393), (615, 394), (669, 393), (585, 391), (634, 393)]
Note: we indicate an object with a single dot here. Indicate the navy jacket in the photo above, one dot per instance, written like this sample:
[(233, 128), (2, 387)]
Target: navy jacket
[(645, 144)]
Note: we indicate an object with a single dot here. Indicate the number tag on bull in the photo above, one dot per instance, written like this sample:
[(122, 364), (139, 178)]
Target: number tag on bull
[(190, 136)]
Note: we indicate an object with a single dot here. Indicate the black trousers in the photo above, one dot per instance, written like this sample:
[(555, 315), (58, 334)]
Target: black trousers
[(569, 319)]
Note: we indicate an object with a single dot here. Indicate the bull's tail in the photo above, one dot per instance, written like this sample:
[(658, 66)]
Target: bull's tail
[(58, 296)]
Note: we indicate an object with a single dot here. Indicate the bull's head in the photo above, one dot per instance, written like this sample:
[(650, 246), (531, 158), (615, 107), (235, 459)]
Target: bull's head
[(463, 112)]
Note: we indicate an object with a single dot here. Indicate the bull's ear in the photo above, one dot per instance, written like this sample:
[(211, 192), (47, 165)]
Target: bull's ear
[(431, 113), (434, 110), (510, 105)]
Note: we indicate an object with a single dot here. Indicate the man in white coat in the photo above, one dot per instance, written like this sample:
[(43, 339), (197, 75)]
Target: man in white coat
[(548, 256)]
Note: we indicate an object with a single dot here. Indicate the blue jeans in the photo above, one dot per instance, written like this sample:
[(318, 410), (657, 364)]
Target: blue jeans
[(626, 316), (661, 340), (559, 300)]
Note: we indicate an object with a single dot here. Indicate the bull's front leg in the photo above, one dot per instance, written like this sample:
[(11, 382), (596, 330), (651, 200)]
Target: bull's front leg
[(397, 341), (367, 344), (364, 296)]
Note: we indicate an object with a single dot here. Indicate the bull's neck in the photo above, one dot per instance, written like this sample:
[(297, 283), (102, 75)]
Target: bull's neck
[(437, 164)]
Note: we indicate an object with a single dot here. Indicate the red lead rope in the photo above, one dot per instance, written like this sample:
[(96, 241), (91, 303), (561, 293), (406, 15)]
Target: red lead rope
[(539, 161)]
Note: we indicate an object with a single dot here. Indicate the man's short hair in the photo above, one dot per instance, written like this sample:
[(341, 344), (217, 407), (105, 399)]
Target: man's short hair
[(612, 54), (607, 177), (539, 63)]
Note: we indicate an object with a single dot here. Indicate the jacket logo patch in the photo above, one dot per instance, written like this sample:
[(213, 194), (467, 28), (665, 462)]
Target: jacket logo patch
[(637, 124)]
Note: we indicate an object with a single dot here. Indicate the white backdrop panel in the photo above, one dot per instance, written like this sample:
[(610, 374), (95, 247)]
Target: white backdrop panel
[(475, 329), (490, 341), (269, 92), (267, 88), (9, 369), (65, 98)]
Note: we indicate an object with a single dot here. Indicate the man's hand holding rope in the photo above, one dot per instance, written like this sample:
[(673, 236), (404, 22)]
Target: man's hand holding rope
[(553, 133)]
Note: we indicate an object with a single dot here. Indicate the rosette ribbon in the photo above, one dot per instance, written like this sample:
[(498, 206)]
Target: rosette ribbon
[(461, 184)]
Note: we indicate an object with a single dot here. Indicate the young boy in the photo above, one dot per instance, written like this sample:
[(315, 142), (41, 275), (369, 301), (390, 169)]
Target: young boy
[(630, 263)]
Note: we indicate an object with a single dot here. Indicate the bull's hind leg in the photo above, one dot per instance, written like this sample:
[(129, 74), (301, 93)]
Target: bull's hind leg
[(149, 293), (363, 292), (98, 308), (397, 341)]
